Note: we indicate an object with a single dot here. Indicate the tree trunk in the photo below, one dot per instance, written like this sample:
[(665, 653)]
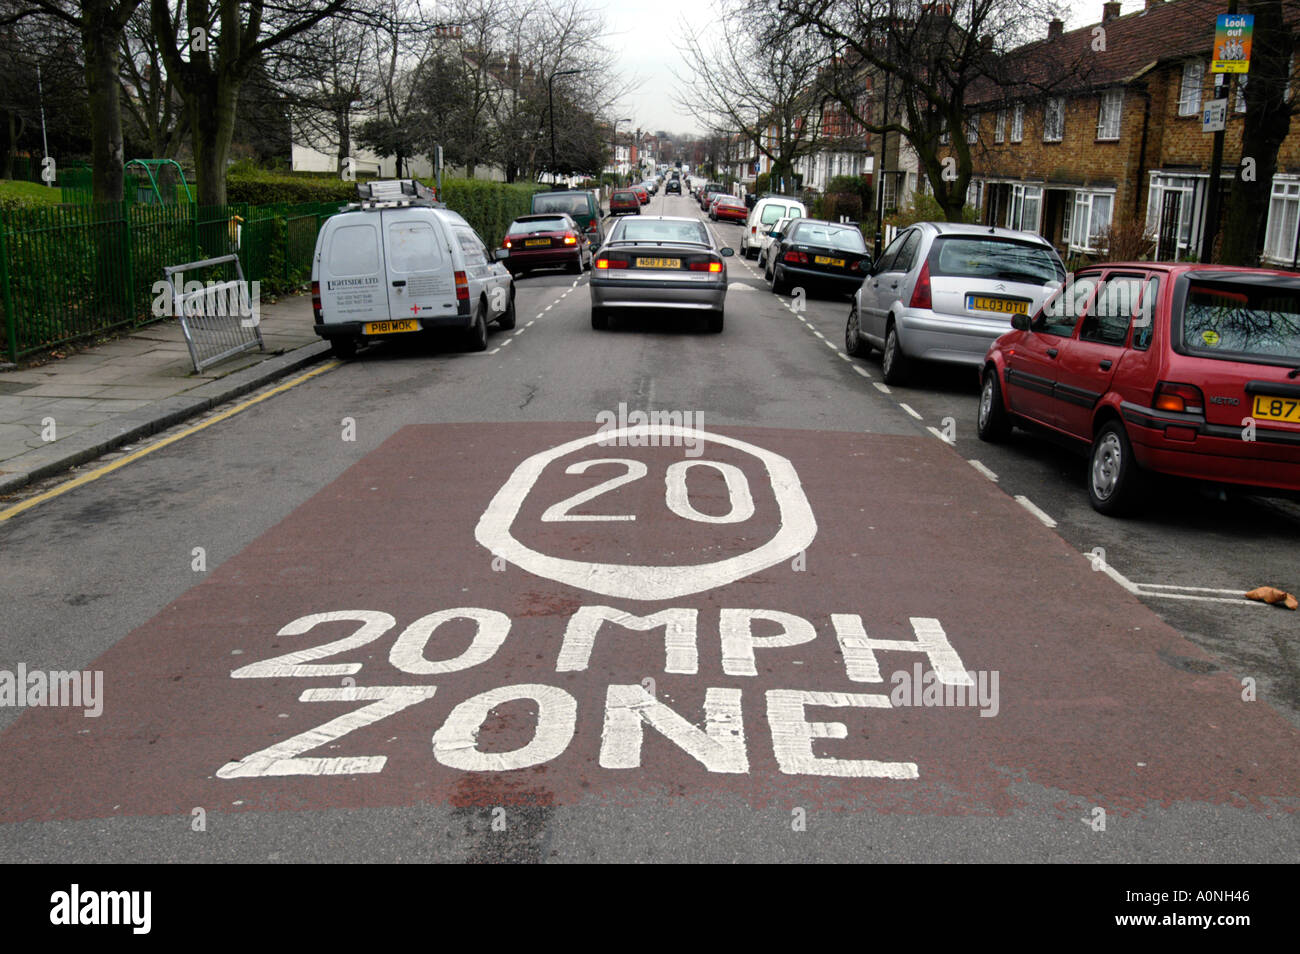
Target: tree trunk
[(212, 125), (100, 36), (343, 130)]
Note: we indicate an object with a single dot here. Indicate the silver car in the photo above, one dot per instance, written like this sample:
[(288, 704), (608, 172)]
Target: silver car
[(659, 262), (945, 292)]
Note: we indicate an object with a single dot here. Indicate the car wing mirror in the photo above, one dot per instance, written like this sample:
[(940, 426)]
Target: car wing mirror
[(726, 252), (1020, 322)]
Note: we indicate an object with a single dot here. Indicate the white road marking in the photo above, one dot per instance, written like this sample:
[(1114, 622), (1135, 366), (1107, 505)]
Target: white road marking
[(493, 351), (1154, 590), (829, 344), (818, 333), (793, 735), (530, 324), (908, 408), (882, 388), (939, 434), (862, 371), (719, 746), (506, 342), (983, 470), (1033, 508), (456, 743), (842, 355)]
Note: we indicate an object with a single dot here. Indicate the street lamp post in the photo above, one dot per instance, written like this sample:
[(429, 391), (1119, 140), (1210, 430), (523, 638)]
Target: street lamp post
[(550, 107)]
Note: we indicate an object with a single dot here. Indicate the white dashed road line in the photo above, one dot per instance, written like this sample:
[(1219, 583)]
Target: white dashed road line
[(908, 408), (983, 470), (882, 388), (1033, 508), (939, 434)]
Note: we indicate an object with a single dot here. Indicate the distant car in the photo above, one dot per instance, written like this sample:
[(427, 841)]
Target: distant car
[(660, 262), (706, 193), (546, 241), (642, 193), (944, 292), (674, 186), (580, 204), (728, 208), (623, 202), (820, 253), (766, 240), (1161, 367), (767, 210)]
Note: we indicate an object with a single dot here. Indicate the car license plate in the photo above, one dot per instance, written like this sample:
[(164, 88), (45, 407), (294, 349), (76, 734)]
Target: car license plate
[(827, 260), (1003, 306), (1271, 408), (390, 327), (658, 263), (537, 242)]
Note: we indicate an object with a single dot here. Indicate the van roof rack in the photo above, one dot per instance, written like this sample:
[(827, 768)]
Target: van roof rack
[(394, 194)]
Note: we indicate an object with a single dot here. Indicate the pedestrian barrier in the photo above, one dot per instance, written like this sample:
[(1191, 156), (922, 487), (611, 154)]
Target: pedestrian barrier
[(219, 319)]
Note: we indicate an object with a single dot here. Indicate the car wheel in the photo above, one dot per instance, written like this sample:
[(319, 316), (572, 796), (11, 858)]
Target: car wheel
[(476, 335), (507, 321), (854, 343), (599, 319), (344, 348), (779, 284), (993, 423), (1114, 477), (714, 322), (893, 363)]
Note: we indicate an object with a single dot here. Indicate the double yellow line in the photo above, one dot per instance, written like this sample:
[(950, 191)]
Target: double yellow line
[(99, 472)]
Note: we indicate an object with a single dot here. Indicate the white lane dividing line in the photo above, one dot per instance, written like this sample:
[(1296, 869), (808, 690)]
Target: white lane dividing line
[(908, 408), (1153, 590), (882, 388), (495, 350), (819, 334), (530, 324), (939, 434), (983, 470), (1033, 508), (862, 371), (829, 344), (506, 342), (841, 355)]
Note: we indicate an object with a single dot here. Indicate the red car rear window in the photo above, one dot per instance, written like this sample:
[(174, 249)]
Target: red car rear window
[(1237, 321)]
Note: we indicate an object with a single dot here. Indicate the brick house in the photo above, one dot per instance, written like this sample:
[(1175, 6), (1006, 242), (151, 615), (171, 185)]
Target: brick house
[(1120, 139)]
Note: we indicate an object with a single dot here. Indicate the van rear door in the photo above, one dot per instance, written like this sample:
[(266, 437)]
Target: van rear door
[(420, 283), (350, 264)]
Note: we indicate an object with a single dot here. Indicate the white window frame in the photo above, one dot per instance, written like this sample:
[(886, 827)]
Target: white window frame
[(1021, 198), (1018, 123), (1110, 112), (1084, 212), (1054, 107), (975, 194), (1283, 220), (1189, 89), (1000, 126), (1189, 216)]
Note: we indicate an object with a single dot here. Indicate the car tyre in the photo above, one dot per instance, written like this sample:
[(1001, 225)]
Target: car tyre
[(507, 320), (780, 286), (854, 343), (476, 335), (1115, 481), (993, 424), (345, 349), (714, 322), (599, 319), (893, 363)]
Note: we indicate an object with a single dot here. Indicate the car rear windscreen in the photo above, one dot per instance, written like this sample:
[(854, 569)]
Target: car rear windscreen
[(538, 225), (848, 239), (650, 231), (974, 256), (575, 205), (1233, 320)]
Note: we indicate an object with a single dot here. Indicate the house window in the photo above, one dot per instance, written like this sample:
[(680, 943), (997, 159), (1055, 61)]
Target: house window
[(1108, 114), (1090, 219), (1283, 220), (973, 128), (1174, 199), (1000, 126), (1022, 211), (1018, 123), (975, 194), (1189, 94), (1053, 119), (889, 186)]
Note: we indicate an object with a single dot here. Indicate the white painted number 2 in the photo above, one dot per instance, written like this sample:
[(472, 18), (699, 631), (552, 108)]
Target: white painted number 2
[(677, 495)]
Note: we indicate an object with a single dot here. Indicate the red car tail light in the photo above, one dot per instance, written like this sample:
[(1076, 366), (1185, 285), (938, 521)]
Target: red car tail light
[(921, 294), (462, 286), (604, 262), (1175, 396), (706, 265), (315, 300), (798, 258), (508, 245), (591, 223), (570, 238)]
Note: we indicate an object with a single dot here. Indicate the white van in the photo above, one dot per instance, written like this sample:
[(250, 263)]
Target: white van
[(398, 262), (763, 216)]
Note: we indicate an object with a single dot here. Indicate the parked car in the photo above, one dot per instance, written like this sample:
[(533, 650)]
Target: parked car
[(623, 202), (945, 292), (546, 241), (1189, 370), (582, 205), (766, 211), (674, 186), (766, 240), (660, 262), (642, 193), (399, 262), (706, 193), (818, 253), (728, 208)]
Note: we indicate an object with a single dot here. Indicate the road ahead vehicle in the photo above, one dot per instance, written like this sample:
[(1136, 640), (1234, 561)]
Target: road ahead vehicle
[(945, 292), (398, 262), (674, 186), (1190, 370), (581, 204), (817, 253), (706, 193), (624, 202), (727, 208), (642, 193), (546, 241), (766, 211), (660, 262)]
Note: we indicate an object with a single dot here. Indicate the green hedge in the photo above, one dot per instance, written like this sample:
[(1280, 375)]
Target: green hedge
[(489, 207), (247, 184)]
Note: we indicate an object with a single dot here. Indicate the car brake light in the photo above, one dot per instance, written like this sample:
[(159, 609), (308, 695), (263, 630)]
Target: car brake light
[(508, 245), (706, 266), (462, 286), (753, 230), (921, 294), (570, 239), (315, 300), (797, 257), (1184, 398), (610, 263)]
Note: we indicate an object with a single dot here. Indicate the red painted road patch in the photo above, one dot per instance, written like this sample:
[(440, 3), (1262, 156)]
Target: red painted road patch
[(495, 614)]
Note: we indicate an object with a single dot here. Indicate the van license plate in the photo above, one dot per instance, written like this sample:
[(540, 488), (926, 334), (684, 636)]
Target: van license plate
[(1277, 408), (1003, 306), (390, 327)]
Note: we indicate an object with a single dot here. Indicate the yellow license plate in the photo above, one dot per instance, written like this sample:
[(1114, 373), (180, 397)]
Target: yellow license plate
[(390, 327), (538, 242), (827, 260), (1271, 408), (658, 263), (1003, 306)]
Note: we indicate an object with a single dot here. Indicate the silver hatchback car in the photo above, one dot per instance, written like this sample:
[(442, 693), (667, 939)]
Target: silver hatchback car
[(945, 292)]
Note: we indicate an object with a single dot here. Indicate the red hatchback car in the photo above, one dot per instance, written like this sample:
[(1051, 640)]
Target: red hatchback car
[(546, 240), (624, 201), (730, 208), (1190, 370), (642, 193)]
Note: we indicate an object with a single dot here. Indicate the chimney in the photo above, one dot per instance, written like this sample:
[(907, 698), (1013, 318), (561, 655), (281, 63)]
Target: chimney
[(1109, 11), (1153, 3), (1055, 28)]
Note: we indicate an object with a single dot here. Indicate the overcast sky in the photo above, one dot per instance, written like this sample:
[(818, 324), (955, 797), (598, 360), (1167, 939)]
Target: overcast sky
[(646, 34)]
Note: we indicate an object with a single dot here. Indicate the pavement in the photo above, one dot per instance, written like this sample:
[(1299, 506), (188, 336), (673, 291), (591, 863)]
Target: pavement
[(75, 409)]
